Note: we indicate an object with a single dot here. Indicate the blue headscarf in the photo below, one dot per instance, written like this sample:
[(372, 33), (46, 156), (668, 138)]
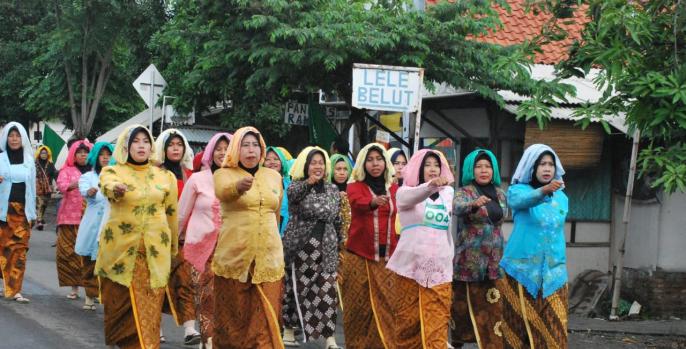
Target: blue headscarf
[(525, 168)]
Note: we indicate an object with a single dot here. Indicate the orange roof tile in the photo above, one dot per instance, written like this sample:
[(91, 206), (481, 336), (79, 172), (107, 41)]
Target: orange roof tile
[(519, 26)]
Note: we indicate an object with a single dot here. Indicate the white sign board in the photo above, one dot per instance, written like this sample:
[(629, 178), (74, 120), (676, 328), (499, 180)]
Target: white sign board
[(389, 88), (149, 85), (296, 114)]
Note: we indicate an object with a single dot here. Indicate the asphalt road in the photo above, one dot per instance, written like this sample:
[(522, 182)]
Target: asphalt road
[(53, 321)]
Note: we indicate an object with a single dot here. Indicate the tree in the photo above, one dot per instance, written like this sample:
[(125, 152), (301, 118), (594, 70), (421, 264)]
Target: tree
[(639, 47), (19, 28), (87, 49), (257, 52)]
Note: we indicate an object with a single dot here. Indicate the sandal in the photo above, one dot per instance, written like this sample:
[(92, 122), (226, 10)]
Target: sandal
[(88, 307), (291, 343), (21, 299), (73, 296)]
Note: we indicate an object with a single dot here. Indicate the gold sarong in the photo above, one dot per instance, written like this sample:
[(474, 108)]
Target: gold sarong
[(367, 307), (133, 314), (533, 323), (246, 315), (421, 314)]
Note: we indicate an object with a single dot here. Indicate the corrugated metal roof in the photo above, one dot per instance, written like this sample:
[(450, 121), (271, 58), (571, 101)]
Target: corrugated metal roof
[(568, 114), (198, 134)]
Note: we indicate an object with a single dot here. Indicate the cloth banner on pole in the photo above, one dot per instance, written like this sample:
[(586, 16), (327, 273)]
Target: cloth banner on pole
[(322, 133)]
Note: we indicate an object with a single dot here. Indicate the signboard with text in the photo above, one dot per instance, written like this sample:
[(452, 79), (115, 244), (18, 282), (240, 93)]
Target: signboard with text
[(388, 88), (296, 114)]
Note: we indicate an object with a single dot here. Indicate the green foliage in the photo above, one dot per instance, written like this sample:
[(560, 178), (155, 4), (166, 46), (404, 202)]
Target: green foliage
[(260, 53), (639, 49), (95, 48), (18, 31)]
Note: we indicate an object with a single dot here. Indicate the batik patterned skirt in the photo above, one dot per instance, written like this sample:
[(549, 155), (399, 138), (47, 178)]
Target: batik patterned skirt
[(310, 297), (68, 262), (133, 314), (477, 314), (422, 314), (246, 315), (14, 243), (368, 318), (530, 322)]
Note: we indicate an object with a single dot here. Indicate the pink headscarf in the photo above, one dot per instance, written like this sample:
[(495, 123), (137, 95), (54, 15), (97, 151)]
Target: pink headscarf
[(411, 171), (72, 151), (209, 149)]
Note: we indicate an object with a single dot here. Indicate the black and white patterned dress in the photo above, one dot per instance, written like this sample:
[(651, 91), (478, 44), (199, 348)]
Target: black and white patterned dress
[(311, 251)]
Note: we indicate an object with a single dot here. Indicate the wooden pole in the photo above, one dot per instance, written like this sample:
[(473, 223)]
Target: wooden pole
[(619, 265)]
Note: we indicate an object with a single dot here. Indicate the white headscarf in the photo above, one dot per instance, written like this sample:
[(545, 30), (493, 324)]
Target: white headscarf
[(525, 168), (25, 141), (161, 152)]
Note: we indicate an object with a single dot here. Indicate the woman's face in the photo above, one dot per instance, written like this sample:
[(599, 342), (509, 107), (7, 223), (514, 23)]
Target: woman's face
[(483, 172), (43, 154), (140, 147), (104, 157), (399, 164), (340, 172), (545, 172), (272, 161), (80, 157), (432, 168), (317, 167), (175, 149), (219, 152), (14, 140), (250, 151), (375, 164)]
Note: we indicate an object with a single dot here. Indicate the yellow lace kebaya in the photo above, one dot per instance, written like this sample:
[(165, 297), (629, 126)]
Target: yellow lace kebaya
[(249, 239), (147, 212)]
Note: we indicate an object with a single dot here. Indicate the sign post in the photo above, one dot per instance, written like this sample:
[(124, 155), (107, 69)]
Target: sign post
[(149, 86), (389, 88)]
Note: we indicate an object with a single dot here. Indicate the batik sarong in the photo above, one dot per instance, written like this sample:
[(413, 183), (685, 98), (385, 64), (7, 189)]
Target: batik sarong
[(533, 322), (477, 314), (14, 243)]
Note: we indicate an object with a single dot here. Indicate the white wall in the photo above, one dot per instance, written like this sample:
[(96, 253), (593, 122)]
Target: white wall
[(657, 233)]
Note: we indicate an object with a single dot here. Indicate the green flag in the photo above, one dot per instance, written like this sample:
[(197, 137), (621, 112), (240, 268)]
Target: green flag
[(321, 131), (53, 141)]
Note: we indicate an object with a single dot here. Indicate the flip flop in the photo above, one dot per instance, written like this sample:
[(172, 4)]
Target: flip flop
[(21, 299), (289, 343), (73, 296)]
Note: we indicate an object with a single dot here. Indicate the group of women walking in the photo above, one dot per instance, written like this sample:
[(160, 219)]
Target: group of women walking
[(373, 238)]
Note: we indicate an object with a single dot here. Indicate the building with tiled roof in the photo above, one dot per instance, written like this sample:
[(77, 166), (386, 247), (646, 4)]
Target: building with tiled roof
[(520, 26)]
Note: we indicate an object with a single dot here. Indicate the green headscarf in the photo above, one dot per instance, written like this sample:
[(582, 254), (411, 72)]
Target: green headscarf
[(285, 164), (95, 152), (335, 158), (470, 161)]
